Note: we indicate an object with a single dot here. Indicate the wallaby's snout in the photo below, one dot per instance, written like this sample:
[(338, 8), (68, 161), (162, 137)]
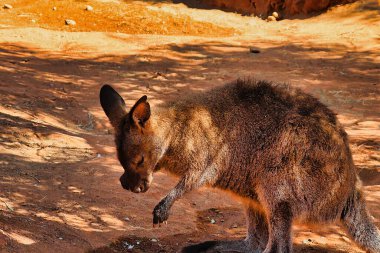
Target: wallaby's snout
[(135, 183)]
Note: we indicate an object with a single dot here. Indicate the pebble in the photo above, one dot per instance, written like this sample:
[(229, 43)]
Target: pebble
[(213, 221), (234, 225), (54, 8), (271, 18), (33, 21), (154, 240), (89, 8), (127, 219), (254, 50), (70, 22), (275, 14), (308, 241), (129, 246), (7, 6)]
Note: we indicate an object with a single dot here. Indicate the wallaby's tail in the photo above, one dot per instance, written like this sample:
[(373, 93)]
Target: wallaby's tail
[(359, 224)]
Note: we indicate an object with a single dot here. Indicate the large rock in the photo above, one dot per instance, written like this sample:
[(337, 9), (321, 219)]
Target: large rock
[(263, 8)]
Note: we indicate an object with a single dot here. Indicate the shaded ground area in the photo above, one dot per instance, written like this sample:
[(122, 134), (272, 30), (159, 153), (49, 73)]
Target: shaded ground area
[(59, 188)]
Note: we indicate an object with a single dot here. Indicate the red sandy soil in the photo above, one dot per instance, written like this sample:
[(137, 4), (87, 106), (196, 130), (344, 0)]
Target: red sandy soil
[(59, 189)]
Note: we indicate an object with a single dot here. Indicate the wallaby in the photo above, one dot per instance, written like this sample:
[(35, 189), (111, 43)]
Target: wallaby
[(280, 150)]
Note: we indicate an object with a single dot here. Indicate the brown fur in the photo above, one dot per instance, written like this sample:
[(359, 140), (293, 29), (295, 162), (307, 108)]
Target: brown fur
[(279, 149)]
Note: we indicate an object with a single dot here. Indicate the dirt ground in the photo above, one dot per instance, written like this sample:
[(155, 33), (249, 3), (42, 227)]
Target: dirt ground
[(59, 189)]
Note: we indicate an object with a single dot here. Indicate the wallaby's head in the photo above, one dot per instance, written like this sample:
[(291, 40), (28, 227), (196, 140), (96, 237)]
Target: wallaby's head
[(134, 139)]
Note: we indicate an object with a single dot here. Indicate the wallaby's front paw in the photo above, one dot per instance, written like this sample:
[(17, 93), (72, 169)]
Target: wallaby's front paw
[(160, 214)]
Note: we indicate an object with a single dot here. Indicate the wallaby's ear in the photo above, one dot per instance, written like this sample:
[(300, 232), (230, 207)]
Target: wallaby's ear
[(113, 105), (140, 112)]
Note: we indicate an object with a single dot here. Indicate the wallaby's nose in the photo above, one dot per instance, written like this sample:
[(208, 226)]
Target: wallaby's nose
[(123, 183)]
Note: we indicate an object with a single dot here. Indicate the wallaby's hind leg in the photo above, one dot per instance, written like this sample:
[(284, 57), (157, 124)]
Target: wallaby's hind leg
[(280, 222), (359, 225), (255, 242)]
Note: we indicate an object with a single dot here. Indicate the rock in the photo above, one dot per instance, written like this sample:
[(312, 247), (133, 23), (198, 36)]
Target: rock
[(54, 8), (275, 14), (271, 18), (234, 226), (254, 51), (154, 240), (7, 6), (213, 221), (127, 219), (70, 22), (307, 241), (33, 21), (89, 8), (129, 246)]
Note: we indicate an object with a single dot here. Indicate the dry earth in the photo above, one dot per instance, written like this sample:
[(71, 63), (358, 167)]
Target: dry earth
[(59, 189)]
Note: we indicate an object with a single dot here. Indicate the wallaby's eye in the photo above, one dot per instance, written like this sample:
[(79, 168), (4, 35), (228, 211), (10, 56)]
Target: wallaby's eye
[(141, 162)]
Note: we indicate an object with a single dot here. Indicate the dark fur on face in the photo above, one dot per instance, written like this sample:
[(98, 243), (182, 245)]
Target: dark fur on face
[(280, 150)]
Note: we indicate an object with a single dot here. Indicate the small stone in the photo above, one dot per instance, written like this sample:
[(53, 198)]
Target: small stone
[(254, 51), (308, 241), (234, 226), (275, 14), (129, 246), (33, 21), (127, 219), (271, 18), (213, 221), (70, 22), (89, 8), (7, 6), (60, 238), (154, 240), (138, 242), (54, 8)]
